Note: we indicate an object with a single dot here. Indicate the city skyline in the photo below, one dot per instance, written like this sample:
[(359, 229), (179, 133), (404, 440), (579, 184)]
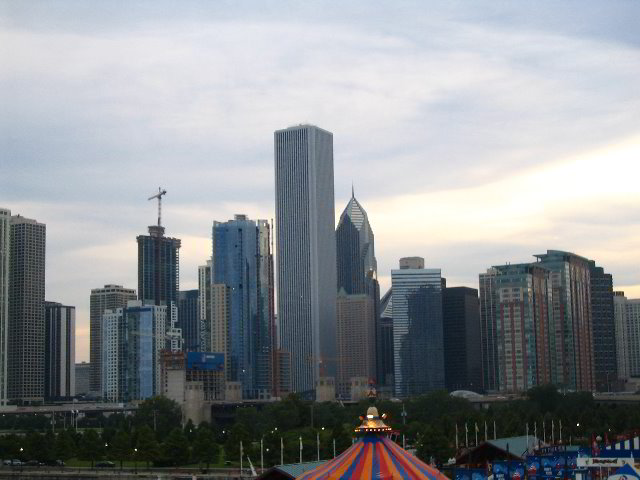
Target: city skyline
[(441, 144)]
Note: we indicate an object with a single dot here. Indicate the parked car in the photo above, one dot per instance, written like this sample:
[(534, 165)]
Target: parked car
[(105, 464), (6, 462), (32, 463), (16, 463)]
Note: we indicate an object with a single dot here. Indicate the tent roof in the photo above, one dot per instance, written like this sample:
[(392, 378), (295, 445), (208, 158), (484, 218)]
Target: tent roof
[(374, 456)]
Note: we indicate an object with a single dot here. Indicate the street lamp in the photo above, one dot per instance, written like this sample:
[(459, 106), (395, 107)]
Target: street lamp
[(135, 459)]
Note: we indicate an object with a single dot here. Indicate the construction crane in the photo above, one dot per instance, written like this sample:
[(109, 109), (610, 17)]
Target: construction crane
[(159, 195)]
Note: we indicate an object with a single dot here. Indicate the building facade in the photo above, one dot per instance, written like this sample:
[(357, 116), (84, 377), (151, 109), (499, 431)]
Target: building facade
[(356, 340), (417, 328), (384, 345), (461, 333), (5, 247), (571, 331), (59, 351), (83, 378), (521, 305), (132, 340), (605, 364), (620, 321), (632, 318), (189, 319), (242, 261), (488, 334), (158, 267), (25, 364), (306, 252), (109, 297)]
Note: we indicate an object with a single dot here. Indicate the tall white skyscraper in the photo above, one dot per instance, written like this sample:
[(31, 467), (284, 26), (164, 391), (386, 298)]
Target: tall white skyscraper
[(306, 253), (5, 227)]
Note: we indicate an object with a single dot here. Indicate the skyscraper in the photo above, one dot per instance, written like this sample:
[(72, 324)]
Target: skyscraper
[(356, 339), (133, 338), (189, 319), (488, 335), (358, 297), (384, 344), (632, 317), (26, 310), (604, 337), (517, 326), (158, 267), (59, 351), (242, 261), (109, 297), (356, 261), (417, 328), (204, 305), (5, 246), (461, 331), (306, 252), (620, 320), (571, 330)]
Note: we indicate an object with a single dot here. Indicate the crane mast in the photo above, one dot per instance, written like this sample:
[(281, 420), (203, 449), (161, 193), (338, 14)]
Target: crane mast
[(159, 195)]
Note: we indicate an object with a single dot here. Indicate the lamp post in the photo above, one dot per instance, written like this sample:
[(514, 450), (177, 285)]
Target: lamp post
[(135, 460), (261, 454)]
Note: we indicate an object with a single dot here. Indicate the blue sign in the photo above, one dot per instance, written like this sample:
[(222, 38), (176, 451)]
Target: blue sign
[(508, 470), (205, 361), (470, 474)]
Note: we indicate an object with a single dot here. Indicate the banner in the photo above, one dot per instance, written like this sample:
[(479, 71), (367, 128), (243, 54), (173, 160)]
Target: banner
[(508, 470), (470, 474), (533, 466)]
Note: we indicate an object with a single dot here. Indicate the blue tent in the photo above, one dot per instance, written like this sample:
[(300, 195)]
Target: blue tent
[(626, 472)]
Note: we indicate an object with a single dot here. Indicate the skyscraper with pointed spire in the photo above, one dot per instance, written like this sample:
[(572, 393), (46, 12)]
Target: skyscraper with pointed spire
[(358, 297)]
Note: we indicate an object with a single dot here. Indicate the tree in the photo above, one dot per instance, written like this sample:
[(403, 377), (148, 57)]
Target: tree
[(147, 445), (91, 447), (175, 449), (65, 445), (237, 434), (121, 446), (160, 414), (204, 448)]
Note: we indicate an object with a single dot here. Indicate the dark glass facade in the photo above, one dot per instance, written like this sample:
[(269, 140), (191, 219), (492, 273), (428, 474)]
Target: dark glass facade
[(384, 343), (461, 331), (189, 319), (158, 267), (242, 261), (604, 337)]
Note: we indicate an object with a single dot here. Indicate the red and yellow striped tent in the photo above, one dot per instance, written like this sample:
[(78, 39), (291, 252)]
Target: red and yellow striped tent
[(374, 456)]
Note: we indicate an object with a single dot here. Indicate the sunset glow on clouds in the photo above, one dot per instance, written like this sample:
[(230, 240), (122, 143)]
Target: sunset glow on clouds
[(474, 134)]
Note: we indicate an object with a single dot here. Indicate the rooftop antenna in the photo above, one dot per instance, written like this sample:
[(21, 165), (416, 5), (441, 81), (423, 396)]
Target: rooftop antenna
[(159, 195)]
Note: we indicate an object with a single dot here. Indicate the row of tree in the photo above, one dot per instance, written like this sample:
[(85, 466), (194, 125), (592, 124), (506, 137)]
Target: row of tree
[(153, 434)]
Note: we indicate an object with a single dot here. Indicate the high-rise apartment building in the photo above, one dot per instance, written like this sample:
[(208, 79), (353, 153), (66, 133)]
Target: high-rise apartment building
[(488, 334), (461, 333), (356, 339), (571, 331), (204, 305), (515, 323), (189, 319), (620, 322), (417, 328), (59, 351), (158, 267), (132, 341), (109, 297), (306, 252), (25, 366), (632, 317), (5, 247), (242, 261), (604, 337)]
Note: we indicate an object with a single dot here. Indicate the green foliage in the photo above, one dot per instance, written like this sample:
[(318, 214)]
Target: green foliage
[(147, 445), (91, 446), (175, 449), (65, 446), (121, 446), (160, 414), (205, 449)]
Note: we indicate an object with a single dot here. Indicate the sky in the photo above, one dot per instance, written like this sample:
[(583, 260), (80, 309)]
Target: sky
[(474, 133)]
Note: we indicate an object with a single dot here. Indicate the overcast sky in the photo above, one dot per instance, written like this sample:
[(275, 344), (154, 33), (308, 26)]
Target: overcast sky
[(475, 133)]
